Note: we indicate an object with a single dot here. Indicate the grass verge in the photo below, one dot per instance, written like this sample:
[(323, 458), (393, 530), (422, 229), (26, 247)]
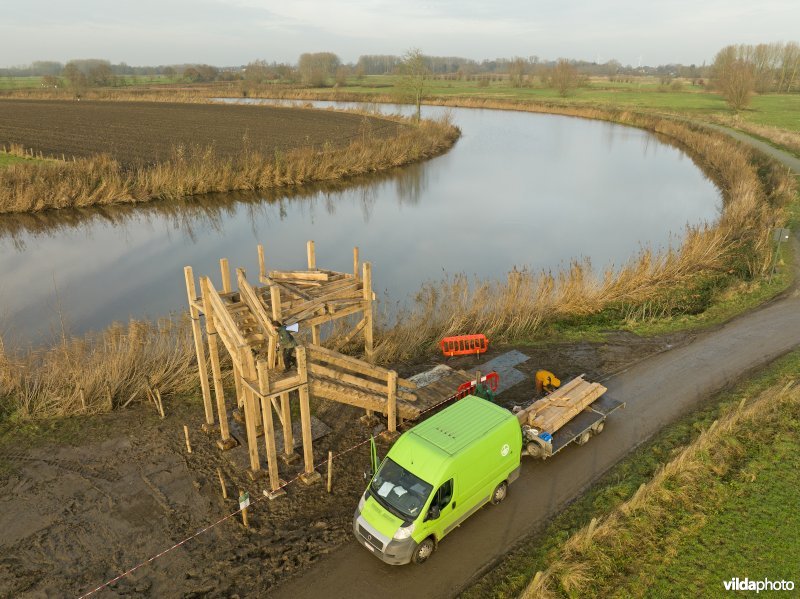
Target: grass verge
[(655, 518)]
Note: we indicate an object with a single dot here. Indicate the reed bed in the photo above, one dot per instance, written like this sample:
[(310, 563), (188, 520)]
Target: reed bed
[(101, 180), (685, 488), (99, 372)]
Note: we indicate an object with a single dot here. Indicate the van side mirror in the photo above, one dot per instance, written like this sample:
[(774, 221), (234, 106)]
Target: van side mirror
[(433, 512), (368, 473)]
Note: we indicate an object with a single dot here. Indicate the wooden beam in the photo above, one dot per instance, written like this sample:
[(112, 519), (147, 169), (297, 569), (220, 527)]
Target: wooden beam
[(250, 410), (351, 335), (275, 301), (291, 290), (334, 316), (312, 255), (269, 427), (225, 270), (197, 333), (317, 370), (286, 421), (368, 315), (250, 297), (328, 355), (355, 262), (262, 263), (303, 275), (305, 413), (216, 371)]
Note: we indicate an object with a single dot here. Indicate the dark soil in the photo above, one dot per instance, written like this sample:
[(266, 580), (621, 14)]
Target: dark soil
[(85, 499), (148, 132)]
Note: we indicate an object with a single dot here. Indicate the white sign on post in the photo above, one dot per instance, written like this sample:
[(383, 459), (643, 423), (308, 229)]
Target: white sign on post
[(244, 500)]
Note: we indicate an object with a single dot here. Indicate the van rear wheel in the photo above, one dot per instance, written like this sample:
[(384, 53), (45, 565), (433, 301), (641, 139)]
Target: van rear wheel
[(499, 493), (423, 551)]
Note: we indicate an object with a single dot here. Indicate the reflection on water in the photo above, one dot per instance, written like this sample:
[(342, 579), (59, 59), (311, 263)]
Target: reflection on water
[(517, 189)]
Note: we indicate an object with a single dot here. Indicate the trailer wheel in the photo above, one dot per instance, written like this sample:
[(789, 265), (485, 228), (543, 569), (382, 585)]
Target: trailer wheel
[(499, 493), (584, 437), (535, 450), (423, 551), (598, 428)]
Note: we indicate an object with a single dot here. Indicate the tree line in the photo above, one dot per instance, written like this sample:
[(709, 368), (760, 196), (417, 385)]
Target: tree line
[(739, 70)]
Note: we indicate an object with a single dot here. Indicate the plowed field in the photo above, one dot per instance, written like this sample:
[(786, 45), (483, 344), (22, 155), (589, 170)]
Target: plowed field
[(147, 132)]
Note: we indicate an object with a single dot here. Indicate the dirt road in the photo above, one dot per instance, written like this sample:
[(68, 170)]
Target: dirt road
[(657, 391)]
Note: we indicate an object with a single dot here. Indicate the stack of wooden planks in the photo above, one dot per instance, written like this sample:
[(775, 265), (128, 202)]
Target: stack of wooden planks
[(554, 411)]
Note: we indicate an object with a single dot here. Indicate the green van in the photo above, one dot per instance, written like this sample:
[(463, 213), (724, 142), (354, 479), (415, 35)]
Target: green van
[(437, 475)]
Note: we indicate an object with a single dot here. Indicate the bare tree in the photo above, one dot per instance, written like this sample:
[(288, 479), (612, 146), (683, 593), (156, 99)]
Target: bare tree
[(414, 77), (734, 76), (316, 68), (516, 71), (564, 77)]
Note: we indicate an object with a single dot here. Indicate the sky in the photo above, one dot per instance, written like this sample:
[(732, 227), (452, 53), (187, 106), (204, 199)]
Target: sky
[(235, 32)]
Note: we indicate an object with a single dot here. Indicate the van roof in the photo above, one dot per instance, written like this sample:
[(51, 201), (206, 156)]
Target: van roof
[(461, 424)]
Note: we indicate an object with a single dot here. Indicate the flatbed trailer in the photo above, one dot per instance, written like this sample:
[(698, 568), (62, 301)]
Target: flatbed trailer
[(573, 413)]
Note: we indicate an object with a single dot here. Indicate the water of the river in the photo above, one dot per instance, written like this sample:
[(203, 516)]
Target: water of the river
[(518, 189)]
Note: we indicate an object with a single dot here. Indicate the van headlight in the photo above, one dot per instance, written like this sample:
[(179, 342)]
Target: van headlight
[(404, 532), (361, 503)]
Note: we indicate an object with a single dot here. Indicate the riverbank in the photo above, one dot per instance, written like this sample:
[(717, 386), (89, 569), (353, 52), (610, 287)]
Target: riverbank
[(201, 148)]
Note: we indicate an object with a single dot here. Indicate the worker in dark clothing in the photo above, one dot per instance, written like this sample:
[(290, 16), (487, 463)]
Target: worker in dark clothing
[(288, 346)]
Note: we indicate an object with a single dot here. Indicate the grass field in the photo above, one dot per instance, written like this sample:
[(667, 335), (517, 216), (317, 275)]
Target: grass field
[(689, 548)]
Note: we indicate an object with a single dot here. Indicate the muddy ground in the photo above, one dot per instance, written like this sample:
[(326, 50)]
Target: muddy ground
[(83, 500), (147, 132)]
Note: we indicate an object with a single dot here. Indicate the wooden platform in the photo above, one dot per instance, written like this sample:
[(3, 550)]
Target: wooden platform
[(437, 385)]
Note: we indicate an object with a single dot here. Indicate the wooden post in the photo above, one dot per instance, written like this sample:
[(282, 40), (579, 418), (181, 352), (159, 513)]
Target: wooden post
[(198, 344), (82, 395), (269, 427), (225, 270), (275, 300), (109, 398), (312, 255), (186, 434), (246, 358), (355, 262), (309, 475), (330, 470), (391, 407), (222, 483), (216, 371), (368, 317), (262, 264), (244, 512), (288, 434)]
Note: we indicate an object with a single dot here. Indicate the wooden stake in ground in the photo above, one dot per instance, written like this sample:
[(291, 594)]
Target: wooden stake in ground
[(186, 434), (244, 500), (222, 484), (83, 398), (330, 470)]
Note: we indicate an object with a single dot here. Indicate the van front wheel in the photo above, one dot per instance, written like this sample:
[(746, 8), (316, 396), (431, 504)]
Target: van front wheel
[(499, 493), (423, 551)]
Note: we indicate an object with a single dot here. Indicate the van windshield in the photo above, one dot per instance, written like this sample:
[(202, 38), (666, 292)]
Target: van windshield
[(400, 489)]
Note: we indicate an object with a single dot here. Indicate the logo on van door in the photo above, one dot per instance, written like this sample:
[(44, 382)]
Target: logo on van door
[(505, 450)]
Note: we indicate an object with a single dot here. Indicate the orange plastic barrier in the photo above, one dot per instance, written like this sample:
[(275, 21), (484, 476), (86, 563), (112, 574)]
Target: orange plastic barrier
[(463, 345), (492, 379)]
